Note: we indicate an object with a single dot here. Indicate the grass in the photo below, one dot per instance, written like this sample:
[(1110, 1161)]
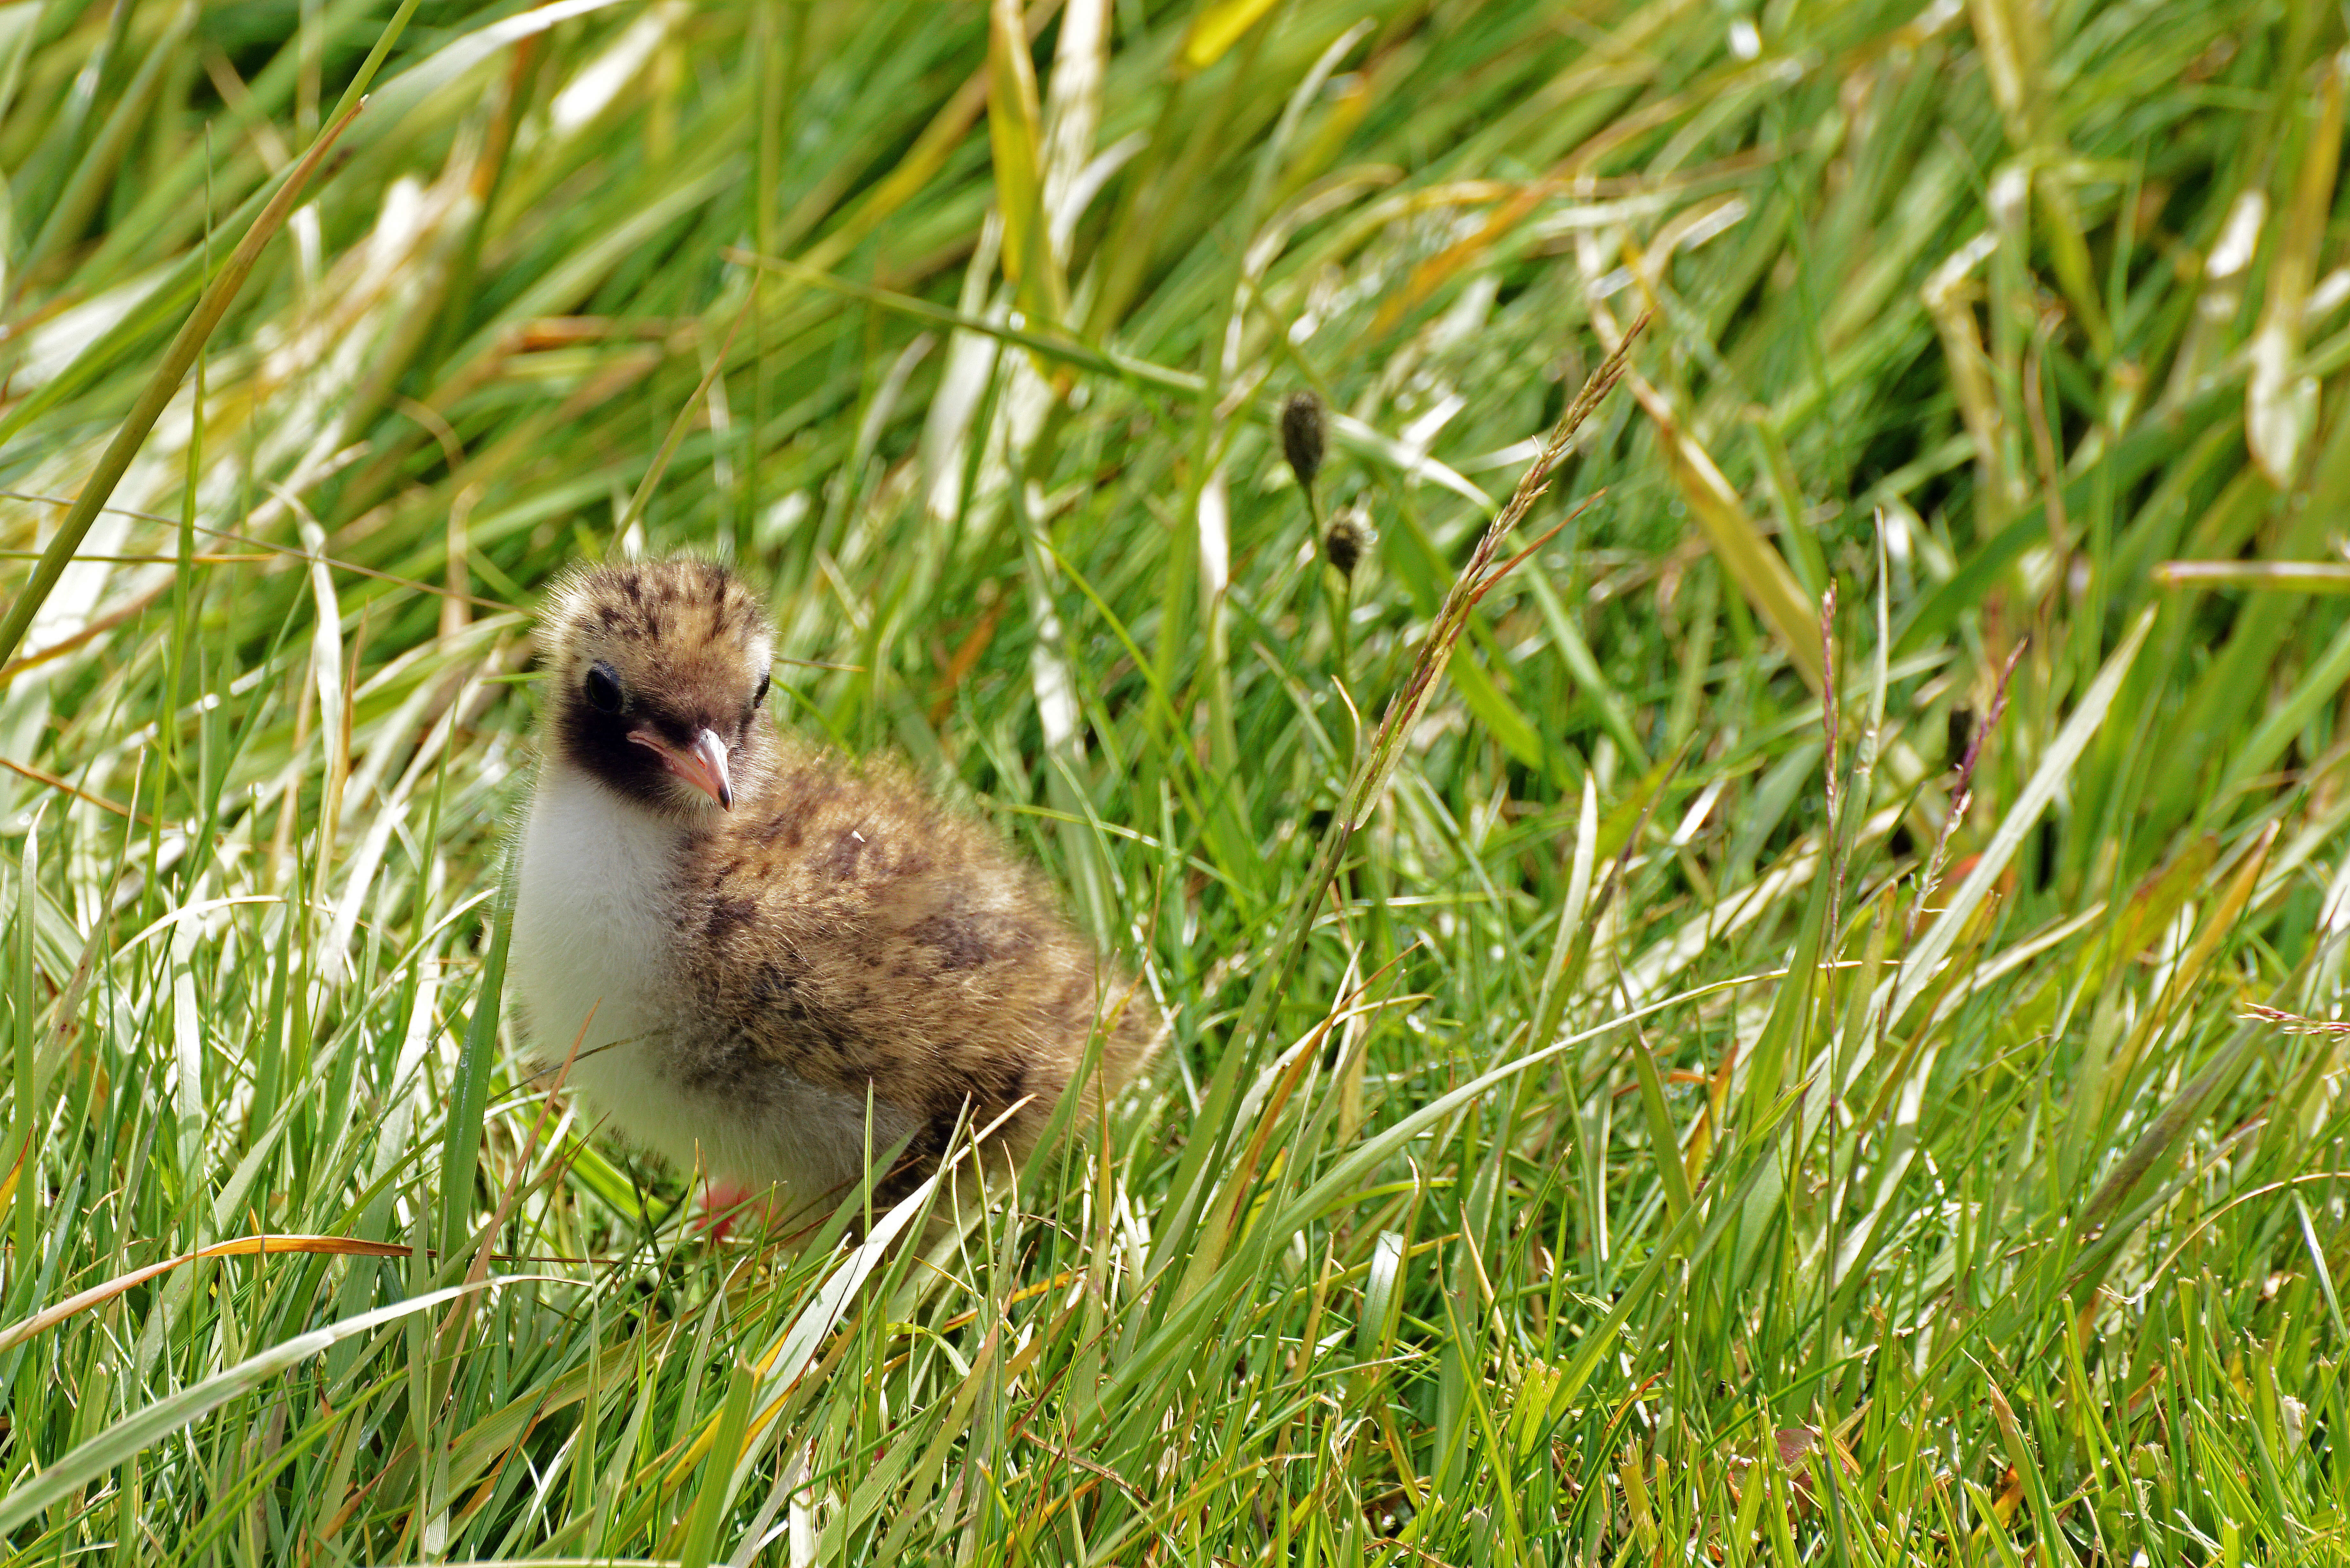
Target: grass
[(1702, 1117)]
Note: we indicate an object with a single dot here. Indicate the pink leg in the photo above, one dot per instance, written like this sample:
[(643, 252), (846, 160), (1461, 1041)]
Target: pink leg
[(726, 1204)]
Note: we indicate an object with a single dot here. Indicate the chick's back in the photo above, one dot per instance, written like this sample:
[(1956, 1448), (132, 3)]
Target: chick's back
[(859, 935)]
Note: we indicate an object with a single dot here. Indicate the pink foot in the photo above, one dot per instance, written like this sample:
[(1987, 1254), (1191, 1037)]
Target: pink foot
[(727, 1204)]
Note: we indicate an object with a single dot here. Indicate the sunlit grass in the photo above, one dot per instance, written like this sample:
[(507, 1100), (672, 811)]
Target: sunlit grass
[(1617, 1161)]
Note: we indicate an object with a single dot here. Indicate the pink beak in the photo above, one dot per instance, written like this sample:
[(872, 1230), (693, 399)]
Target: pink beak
[(702, 765)]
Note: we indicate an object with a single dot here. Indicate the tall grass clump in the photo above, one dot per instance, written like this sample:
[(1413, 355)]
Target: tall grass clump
[(1779, 1007)]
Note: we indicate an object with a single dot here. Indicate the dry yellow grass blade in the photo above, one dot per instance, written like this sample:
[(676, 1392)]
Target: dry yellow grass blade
[(1948, 298), (239, 1247), (2281, 576), (1015, 137), (1753, 563), (1218, 27)]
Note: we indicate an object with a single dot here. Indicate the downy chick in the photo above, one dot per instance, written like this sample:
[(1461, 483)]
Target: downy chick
[(747, 935)]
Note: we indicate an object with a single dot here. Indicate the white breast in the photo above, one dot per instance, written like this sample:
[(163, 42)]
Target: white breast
[(596, 928), (593, 936)]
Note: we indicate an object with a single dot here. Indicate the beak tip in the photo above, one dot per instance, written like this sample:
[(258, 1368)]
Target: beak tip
[(717, 780), (702, 764)]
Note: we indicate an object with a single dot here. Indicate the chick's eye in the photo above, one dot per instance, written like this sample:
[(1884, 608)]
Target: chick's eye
[(761, 694), (603, 689)]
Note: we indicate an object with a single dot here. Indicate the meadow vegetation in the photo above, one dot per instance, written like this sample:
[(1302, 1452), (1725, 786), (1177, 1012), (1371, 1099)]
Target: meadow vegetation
[(1804, 1041)]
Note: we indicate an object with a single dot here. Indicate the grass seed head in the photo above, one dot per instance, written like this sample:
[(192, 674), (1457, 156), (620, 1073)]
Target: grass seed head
[(1302, 437), (1349, 536)]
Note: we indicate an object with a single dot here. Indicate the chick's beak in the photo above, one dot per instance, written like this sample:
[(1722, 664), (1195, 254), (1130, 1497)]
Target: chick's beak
[(702, 765)]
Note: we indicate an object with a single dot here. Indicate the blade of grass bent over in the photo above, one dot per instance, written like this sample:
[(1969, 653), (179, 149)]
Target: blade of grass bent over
[(1050, 346), (152, 1423), (235, 1247), (2280, 577)]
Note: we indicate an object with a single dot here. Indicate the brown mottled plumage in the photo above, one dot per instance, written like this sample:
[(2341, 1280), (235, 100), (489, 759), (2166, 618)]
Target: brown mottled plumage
[(748, 936)]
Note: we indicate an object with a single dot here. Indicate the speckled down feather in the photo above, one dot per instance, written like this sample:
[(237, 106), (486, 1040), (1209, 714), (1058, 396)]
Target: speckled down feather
[(835, 963)]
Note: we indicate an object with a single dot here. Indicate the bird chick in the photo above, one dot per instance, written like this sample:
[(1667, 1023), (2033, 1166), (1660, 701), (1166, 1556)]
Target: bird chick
[(754, 941)]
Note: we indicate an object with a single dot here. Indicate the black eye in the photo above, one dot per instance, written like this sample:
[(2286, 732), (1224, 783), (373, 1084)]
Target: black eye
[(761, 694), (603, 689)]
